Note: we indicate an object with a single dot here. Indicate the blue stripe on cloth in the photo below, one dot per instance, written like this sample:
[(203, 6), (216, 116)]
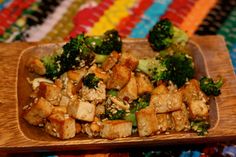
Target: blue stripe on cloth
[(233, 55), (4, 4), (149, 18)]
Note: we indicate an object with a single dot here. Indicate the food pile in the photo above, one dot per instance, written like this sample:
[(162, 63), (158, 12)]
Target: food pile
[(90, 86)]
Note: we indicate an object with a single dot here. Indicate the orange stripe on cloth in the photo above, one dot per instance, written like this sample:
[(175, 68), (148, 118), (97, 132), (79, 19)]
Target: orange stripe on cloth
[(196, 15)]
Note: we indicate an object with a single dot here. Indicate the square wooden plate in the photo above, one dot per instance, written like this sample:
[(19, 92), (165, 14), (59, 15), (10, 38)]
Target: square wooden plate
[(210, 56)]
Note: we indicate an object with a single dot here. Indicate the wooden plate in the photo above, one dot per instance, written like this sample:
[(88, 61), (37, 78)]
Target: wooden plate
[(210, 57)]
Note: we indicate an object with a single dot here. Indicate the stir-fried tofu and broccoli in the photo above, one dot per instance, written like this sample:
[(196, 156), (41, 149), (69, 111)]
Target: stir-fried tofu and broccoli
[(90, 86)]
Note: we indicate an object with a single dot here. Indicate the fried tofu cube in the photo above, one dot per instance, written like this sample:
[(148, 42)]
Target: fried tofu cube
[(61, 126), (164, 122), (147, 121), (99, 73), (39, 111), (111, 61), (50, 92), (198, 109), (82, 110), (143, 83), (130, 91), (76, 75), (64, 101), (119, 78), (166, 102), (70, 89), (95, 95), (35, 65), (116, 129), (62, 109), (129, 61), (180, 119), (160, 89), (191, 91)]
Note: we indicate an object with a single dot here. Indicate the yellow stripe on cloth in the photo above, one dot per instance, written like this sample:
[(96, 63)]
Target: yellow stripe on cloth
[(196, 15), (112, 16)]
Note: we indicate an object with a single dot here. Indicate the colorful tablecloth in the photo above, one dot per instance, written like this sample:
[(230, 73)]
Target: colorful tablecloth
[(58, 20)]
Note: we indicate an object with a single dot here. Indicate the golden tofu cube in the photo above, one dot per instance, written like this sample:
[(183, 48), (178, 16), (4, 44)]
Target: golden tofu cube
[(120, 76), (100, 73), (164, 122), (82, 110), (180, 119), (198, 109), (35, 65), (76, 75), (116, 129), (39, 111), (160, 89), (61, 125), (111, 61), (143, 83), (130, 91), (191, 91), (50, 92), (147, 121), (129, 61), (164, 103)]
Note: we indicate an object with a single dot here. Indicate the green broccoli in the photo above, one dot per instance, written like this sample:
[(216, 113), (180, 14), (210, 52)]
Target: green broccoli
[(200, 127), (174, 48), (140, 103), (149, 65), (91, 81), (209, 87), (75, 53), (112, 92), (119, 114), (79, 52), (51, 65), (164, 33), (177, 68), (106, 43)]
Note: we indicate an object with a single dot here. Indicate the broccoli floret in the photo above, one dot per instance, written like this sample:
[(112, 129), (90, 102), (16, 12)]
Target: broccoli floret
[(164, 33), (100, 58), (209, 87), (174, 48), (79, 52), (91, 80), (119, 114), (177, 68), (106, 43), (140, 103), (200, 127), (149, 65), (75, 53), (137, 105), (112, 92), (51, 65)]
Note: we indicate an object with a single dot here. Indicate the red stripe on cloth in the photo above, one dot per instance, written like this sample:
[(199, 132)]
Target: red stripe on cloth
[(10, 14), (178, 10), (87, 17), (126, 24)]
